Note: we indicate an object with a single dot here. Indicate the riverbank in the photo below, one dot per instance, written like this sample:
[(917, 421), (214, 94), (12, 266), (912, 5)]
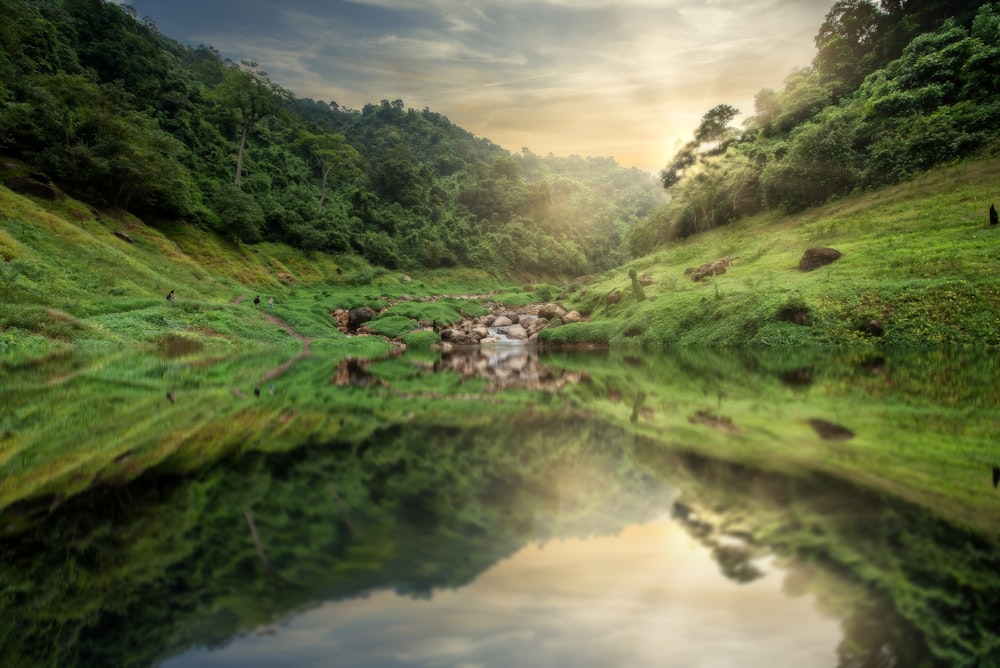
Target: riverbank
[(915, 265)]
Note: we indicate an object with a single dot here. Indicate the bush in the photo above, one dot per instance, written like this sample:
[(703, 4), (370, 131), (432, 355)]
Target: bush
[(393, 326), (421, 339), (578, 333)]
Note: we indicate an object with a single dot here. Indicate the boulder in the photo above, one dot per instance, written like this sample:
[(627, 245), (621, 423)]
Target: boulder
[(572, 316), (551, 311), (33, 188), (503, 321), (830, 431), (358, 316), (872, 328), (714, 268), (124, 236), (817, 257), (517, 333)]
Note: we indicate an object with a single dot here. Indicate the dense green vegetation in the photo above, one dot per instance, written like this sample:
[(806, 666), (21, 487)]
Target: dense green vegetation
[(99, 103), (895, 89)]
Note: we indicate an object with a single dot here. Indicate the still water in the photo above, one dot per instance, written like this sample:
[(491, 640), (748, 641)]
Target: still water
[(686, 508)]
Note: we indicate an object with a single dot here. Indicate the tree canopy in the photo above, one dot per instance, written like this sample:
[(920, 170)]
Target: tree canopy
[(94, 99)]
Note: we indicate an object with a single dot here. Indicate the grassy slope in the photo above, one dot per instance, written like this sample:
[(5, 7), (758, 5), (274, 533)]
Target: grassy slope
[(920, 256), (67, 279)]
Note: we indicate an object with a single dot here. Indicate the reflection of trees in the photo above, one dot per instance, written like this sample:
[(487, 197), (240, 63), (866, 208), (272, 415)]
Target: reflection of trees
[(910, 588), (127, 576), (734, 554)]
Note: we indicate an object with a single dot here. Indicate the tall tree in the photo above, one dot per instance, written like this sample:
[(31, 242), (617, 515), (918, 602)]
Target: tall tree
[(331, 151), (251, 92)]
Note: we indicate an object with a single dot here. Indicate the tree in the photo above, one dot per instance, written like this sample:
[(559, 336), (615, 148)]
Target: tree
[(255, 97), (330, 151), (711, 137), (846, 42), (714, 127)]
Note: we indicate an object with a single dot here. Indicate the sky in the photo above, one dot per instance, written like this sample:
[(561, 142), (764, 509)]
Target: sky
[(649, 596), (629, 79)]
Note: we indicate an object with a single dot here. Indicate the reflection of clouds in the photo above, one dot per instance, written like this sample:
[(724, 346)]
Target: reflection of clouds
[(648, 597), (633, 78)]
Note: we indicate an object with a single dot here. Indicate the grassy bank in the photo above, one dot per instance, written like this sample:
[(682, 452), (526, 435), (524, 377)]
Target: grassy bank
[(67, 278), (920, 258)]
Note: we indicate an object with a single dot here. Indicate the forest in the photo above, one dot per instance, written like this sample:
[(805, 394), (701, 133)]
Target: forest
[(95, 101)]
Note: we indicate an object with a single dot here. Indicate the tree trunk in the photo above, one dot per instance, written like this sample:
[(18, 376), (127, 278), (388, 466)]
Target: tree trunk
[(322, 190), (239, 154)]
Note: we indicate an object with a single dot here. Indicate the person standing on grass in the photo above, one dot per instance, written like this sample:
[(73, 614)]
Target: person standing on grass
[(270, 302), (256, 302)]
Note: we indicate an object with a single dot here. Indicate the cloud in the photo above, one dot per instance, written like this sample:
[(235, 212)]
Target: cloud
[(628, 78)]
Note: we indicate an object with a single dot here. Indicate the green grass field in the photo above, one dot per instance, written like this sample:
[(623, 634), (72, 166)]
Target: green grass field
[(920, 257)]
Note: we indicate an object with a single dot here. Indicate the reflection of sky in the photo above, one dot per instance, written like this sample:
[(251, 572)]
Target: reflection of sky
[(649, 597)]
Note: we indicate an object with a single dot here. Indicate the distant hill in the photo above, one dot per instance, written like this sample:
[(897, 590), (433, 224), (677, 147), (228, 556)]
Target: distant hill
[(100, 104)]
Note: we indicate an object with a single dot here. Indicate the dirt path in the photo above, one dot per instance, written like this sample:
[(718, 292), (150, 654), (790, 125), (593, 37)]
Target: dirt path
[(288, 328)]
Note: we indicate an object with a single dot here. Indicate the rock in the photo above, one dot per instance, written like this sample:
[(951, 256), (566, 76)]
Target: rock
[(571, 317), (124, 236), (714, 268), (358, 316), (503, 321), (794, 313), (33, 188), (525, 320), (480, 332), (817, 257), (551, 311), (489, 340), (872, 328), (613, 298), (517, 333), (829, 431), (710, 419)]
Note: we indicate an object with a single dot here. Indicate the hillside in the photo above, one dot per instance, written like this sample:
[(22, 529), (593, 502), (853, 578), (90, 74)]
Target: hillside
[(920, 258), (107, 109)]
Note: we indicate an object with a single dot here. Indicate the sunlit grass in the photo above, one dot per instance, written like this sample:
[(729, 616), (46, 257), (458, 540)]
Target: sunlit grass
[(920, 257)]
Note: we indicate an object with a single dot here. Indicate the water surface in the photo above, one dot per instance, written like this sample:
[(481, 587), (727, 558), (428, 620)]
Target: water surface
[(505, 508)]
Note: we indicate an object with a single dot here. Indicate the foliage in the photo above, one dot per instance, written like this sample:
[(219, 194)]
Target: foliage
[(893, 91), (100, 103)]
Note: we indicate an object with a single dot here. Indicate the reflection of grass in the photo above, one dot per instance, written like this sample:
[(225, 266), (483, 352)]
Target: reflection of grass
[(925, 423), (75, 420)]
